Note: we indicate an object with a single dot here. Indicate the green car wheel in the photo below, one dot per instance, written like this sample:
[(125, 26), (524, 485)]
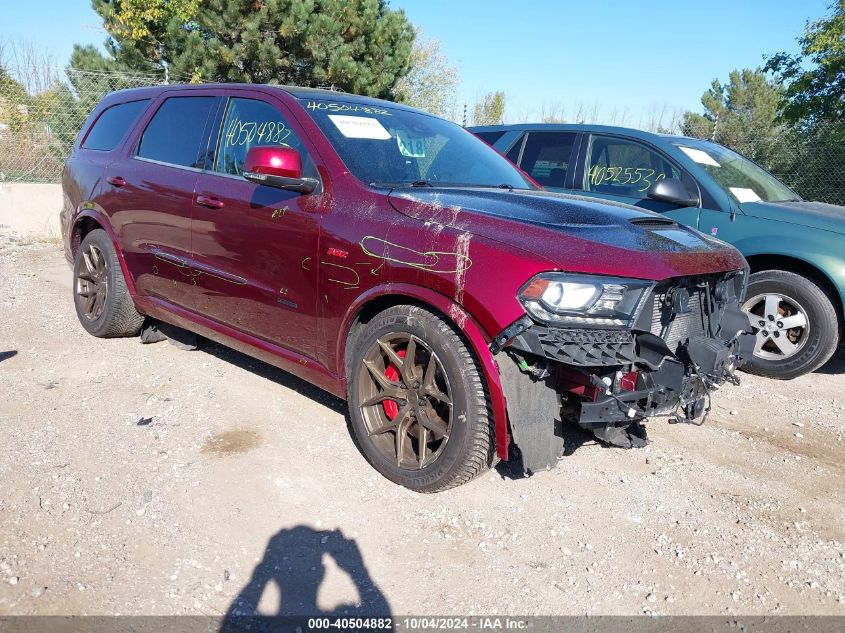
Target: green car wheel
[(794, 321)]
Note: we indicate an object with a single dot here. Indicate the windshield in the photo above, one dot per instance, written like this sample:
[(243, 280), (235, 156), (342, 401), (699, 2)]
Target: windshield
[(395, 147), (743, 179)]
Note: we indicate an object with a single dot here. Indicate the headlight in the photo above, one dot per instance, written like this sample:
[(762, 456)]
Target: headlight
[(591, 300)]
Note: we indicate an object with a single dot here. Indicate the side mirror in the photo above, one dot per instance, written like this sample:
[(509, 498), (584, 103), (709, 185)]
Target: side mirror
[(672, 191), (277, 167)]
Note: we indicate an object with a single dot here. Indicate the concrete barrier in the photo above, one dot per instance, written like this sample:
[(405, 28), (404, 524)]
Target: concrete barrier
[(31, 208)]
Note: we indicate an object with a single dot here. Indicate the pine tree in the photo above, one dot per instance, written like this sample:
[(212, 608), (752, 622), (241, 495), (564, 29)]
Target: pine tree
[(360, 46)]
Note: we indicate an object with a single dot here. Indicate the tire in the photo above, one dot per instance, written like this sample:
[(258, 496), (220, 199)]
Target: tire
[(811, 345), (457, 438), (97, 274)]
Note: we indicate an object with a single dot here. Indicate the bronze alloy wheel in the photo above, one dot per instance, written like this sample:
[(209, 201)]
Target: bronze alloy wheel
[(405, 400), (92, 282)]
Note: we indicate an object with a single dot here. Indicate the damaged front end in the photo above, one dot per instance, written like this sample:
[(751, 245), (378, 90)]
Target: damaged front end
[(610, 352)]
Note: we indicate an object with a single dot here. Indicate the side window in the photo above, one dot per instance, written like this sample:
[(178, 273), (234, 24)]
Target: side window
[(176, 133), (546, 157), (111, 126), (250, 123), (490, 137), (624, 168)]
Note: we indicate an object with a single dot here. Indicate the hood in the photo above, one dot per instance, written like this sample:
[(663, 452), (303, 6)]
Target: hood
[(577, 234), (818, 215)]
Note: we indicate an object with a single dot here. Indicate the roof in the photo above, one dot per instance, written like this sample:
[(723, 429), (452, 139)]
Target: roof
[(297, 92), (581, 127)]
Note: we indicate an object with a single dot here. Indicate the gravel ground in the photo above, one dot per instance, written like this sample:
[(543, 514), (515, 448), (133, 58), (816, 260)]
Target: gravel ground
[(142, 479)]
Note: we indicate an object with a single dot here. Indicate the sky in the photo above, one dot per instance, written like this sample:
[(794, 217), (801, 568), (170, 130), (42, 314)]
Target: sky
[(631, 58)]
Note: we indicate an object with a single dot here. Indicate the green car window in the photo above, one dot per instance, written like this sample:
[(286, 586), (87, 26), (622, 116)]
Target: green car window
[(625, 168)]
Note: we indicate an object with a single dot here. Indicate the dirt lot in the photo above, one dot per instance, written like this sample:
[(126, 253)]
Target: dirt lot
[(142, 479)]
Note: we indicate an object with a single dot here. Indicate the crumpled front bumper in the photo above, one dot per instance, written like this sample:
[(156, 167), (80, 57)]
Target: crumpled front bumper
[(668, 363), (667, 383)]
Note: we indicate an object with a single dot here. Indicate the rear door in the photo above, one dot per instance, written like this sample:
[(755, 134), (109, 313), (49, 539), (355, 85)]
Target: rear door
[(82, 176), (151, 189), (623, 169), (548, 157), (255, 247)]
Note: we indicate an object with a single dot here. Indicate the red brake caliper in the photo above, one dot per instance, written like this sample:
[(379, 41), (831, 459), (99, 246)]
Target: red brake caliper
[(391, 408)]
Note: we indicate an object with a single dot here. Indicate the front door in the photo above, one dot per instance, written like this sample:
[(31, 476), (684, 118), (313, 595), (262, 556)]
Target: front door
[(623, 170), (255, 247)]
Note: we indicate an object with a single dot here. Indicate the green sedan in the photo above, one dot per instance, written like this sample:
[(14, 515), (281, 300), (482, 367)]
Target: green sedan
[(796, 248)]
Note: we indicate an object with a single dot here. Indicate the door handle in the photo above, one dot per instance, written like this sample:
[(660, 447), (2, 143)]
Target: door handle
[(210, 202), (117, 181)]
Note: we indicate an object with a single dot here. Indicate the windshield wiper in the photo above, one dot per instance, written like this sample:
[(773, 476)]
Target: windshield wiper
[(421, 183)]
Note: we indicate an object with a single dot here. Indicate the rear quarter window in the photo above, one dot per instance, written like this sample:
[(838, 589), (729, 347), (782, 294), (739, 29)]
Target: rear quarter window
[(111, 126)]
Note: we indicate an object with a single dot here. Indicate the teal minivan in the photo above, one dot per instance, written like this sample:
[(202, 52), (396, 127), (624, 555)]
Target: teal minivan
[(796, 248)]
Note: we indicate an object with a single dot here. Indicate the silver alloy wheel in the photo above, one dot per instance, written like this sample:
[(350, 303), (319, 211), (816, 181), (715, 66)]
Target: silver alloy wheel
[(780, 324), (92, 282)]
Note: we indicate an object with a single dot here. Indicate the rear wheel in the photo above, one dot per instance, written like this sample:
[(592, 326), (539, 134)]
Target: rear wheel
[(794, 321), (417, 401), (103, 304)]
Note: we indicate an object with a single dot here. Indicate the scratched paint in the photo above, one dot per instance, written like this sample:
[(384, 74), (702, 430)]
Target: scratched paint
[(187, 270), (462, 251), (431, 210)]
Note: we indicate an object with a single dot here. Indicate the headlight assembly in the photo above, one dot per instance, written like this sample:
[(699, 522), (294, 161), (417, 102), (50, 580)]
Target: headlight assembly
[(584, 300)]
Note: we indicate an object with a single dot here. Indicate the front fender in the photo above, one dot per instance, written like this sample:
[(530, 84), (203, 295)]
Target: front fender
[(824, 255), (468, 326), (89, 210)]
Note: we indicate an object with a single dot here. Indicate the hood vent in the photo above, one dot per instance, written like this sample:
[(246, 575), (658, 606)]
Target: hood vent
[(652, 222)]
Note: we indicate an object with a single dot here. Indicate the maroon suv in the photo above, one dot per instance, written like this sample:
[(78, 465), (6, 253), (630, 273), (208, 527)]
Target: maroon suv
[(395, 260)]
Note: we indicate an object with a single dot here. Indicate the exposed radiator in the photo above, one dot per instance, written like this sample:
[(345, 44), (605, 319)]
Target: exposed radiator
[(677, 329)]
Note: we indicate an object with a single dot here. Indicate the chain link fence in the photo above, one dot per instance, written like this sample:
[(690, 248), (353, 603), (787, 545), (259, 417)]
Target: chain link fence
[(38, 130)]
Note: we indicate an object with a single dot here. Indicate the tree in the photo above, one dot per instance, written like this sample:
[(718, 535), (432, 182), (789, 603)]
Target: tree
[(361, 46), (13, 101), (144, 24), (431, 83), (740, 114), (815, 78), (491, 109)]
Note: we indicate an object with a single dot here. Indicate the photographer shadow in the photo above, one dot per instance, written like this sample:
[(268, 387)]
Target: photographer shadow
[(294, 562)]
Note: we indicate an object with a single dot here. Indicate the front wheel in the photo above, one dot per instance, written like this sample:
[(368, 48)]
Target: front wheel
[(417, 401), (795, 324)]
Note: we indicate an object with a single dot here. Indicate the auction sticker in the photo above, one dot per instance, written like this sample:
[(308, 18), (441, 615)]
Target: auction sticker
[(699, 156), (410, 147), (360, 127)]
